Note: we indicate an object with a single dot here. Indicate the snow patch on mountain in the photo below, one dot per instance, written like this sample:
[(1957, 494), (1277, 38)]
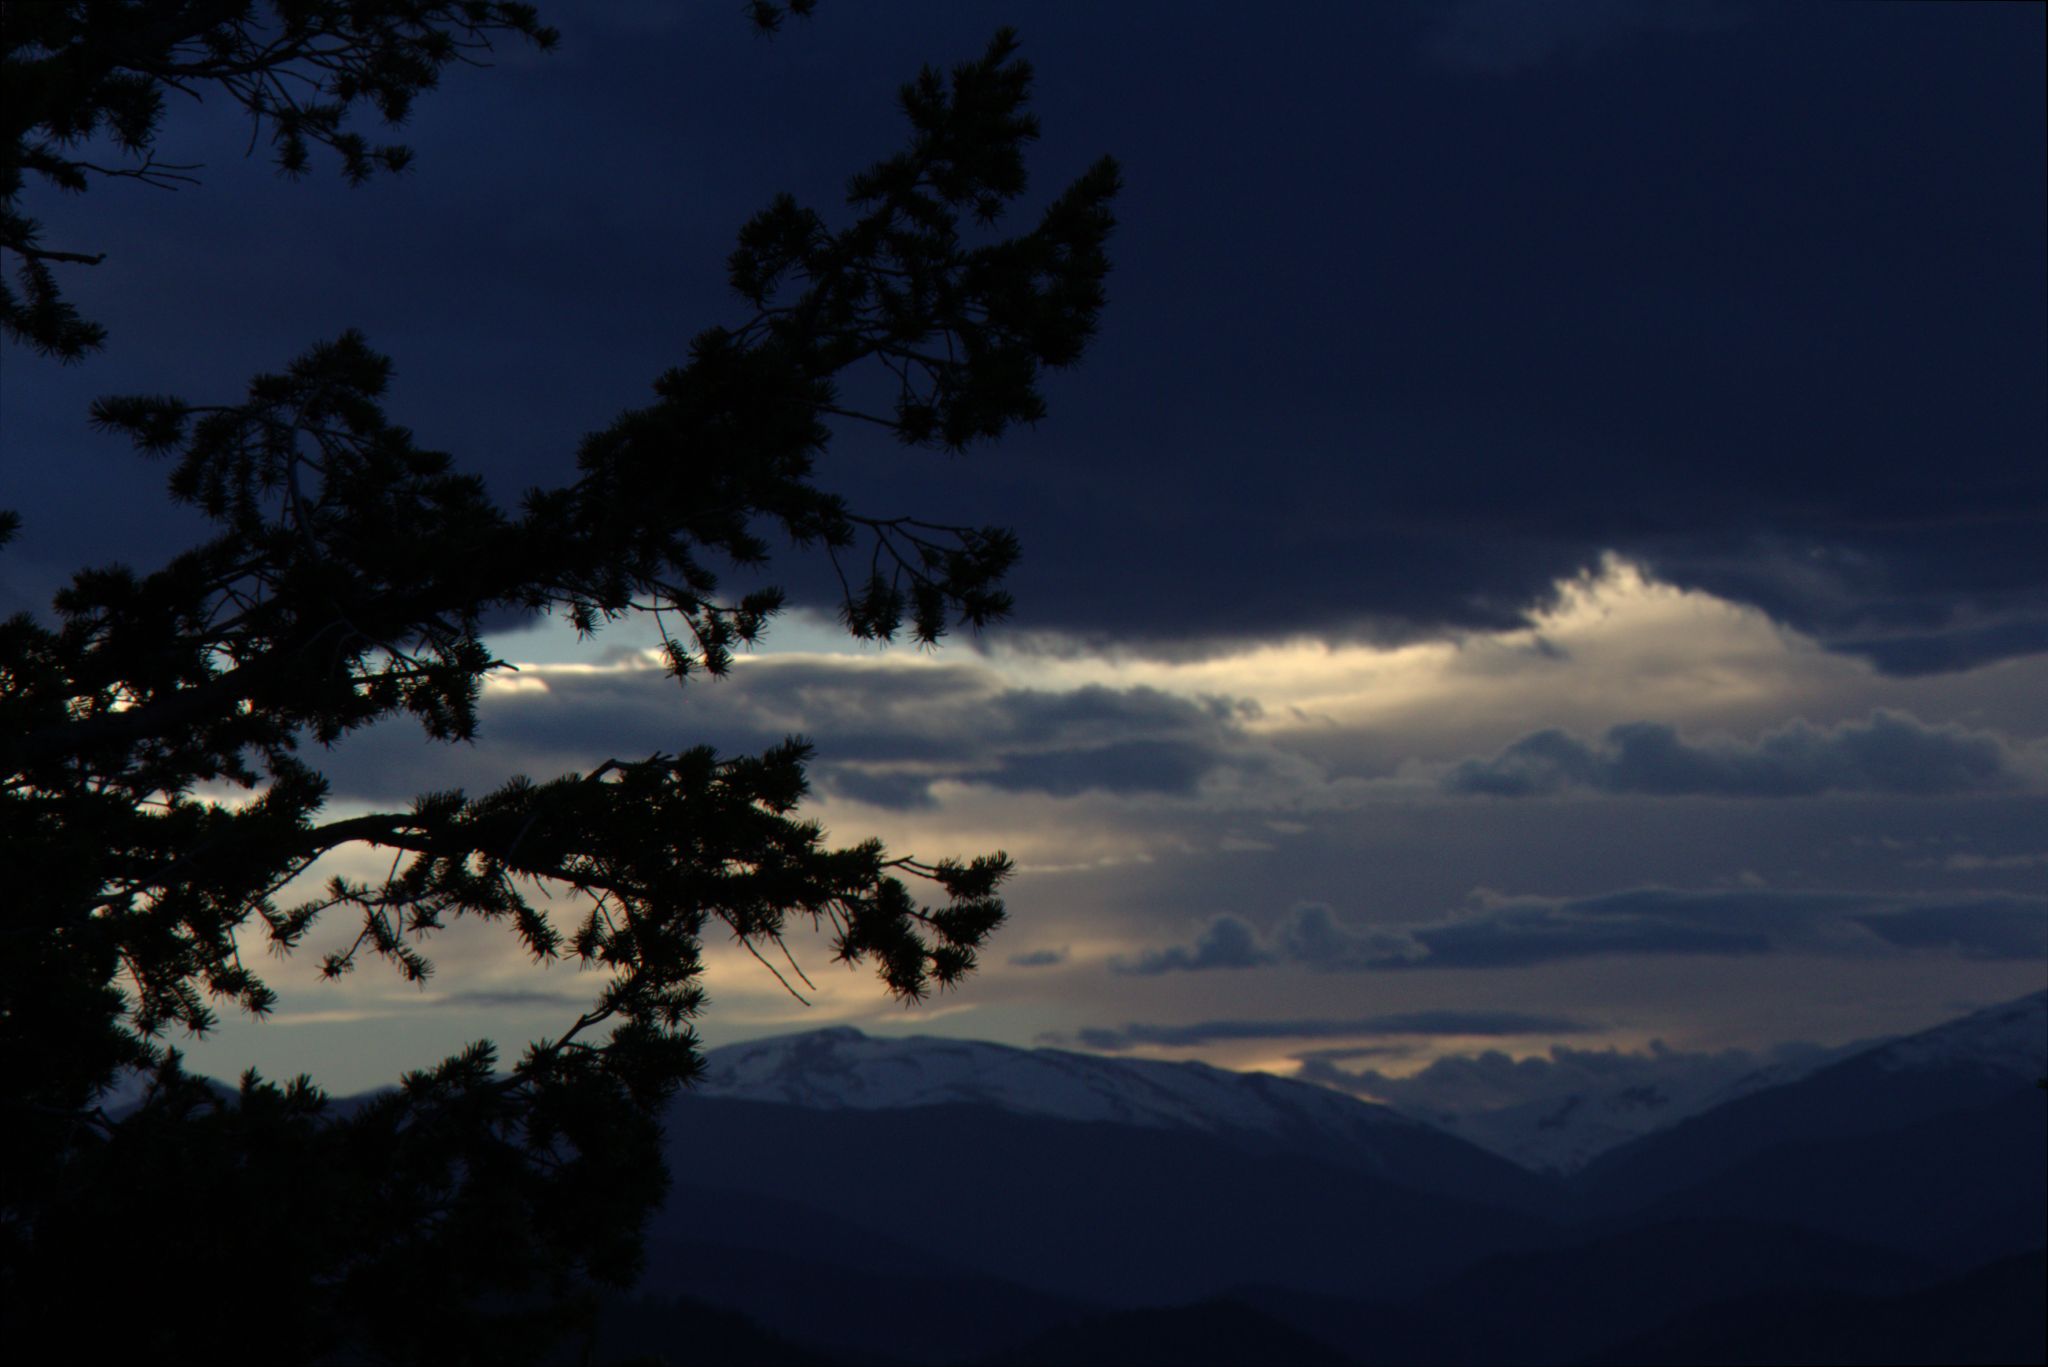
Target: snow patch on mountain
[(1547, 1114), (2009, 1038), (841, 1068), (1562, 1134), (1584, 1102), (1558, 1111)]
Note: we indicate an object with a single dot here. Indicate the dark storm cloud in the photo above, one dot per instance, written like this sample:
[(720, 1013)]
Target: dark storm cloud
[(1760, 353), (900, 790), (1520, 932), (1425, 1023), (1908, 654), (887, 749), (1135, 766), (1958, 581), (1408, 343), (1889, 753), (1500, 37), (886, 732)]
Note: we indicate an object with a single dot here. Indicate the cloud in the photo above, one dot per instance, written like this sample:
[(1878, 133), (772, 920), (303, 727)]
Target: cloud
[(1536, 930), (1839, 436), (1428, 1023), (900, 789), (1889, 753), (889, 729), (1500, 37), (1039, 958), (1971, 863), (516, 997), (1986, 928), (1963, 646), (1312, 935), (1227, 943), (1467, 1084), (1520, 932), (1135, 766)]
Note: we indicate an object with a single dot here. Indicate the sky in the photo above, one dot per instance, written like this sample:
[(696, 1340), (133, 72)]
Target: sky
[(1544, 570)]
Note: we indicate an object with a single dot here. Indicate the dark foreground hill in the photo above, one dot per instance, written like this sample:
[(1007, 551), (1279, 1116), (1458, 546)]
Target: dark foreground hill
[(1958, 1189), (1212, 1333), (1996, 1314), (1563, 1305), (1114, 1214)]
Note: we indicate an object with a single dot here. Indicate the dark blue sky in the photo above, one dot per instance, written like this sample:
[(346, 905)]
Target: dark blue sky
[(1421, 315)]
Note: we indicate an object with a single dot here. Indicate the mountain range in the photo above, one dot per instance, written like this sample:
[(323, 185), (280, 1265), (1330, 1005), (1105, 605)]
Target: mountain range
[(858, 1199), (1563, 1133), (839, 1198)]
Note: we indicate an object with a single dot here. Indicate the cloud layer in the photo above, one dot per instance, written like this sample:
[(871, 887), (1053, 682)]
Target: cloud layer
[(1889, 753), (1504, 37), (1432, 1024), (893, 728), (1467, 1084), (1520, 932)]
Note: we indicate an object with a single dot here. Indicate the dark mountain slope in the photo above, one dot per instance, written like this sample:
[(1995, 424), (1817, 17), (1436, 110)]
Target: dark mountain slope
[(1997, 1314), (1960, 1189), (840, 1069), (1114, 1213), (650, 1331), (872, 1310), (1977, 1061), (1216, 1333), (1556, 1306)]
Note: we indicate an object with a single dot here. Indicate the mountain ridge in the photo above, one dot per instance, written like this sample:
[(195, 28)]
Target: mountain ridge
[(1971, 1062), (841, 1068)]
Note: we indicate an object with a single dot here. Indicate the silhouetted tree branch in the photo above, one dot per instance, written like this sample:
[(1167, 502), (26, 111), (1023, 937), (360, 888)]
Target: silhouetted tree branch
[(460, 1216)]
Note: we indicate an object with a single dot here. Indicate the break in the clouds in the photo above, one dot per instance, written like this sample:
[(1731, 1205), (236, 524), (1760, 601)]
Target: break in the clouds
[(1519, 932), (1889, 753), (1433, 1024)]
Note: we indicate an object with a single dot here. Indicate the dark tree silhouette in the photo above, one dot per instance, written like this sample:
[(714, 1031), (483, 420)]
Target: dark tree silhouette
[(468, 1213)]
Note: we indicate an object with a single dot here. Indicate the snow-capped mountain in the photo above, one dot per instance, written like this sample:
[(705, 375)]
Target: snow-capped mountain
[(842, 1069), (1162, 1180), (1942, 1090), (1561, 1134), (1562, 1131), (2009, 1038), (1553, 1134)]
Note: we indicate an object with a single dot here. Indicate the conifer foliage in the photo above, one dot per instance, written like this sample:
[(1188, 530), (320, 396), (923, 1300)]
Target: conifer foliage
[(466, 1214)]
